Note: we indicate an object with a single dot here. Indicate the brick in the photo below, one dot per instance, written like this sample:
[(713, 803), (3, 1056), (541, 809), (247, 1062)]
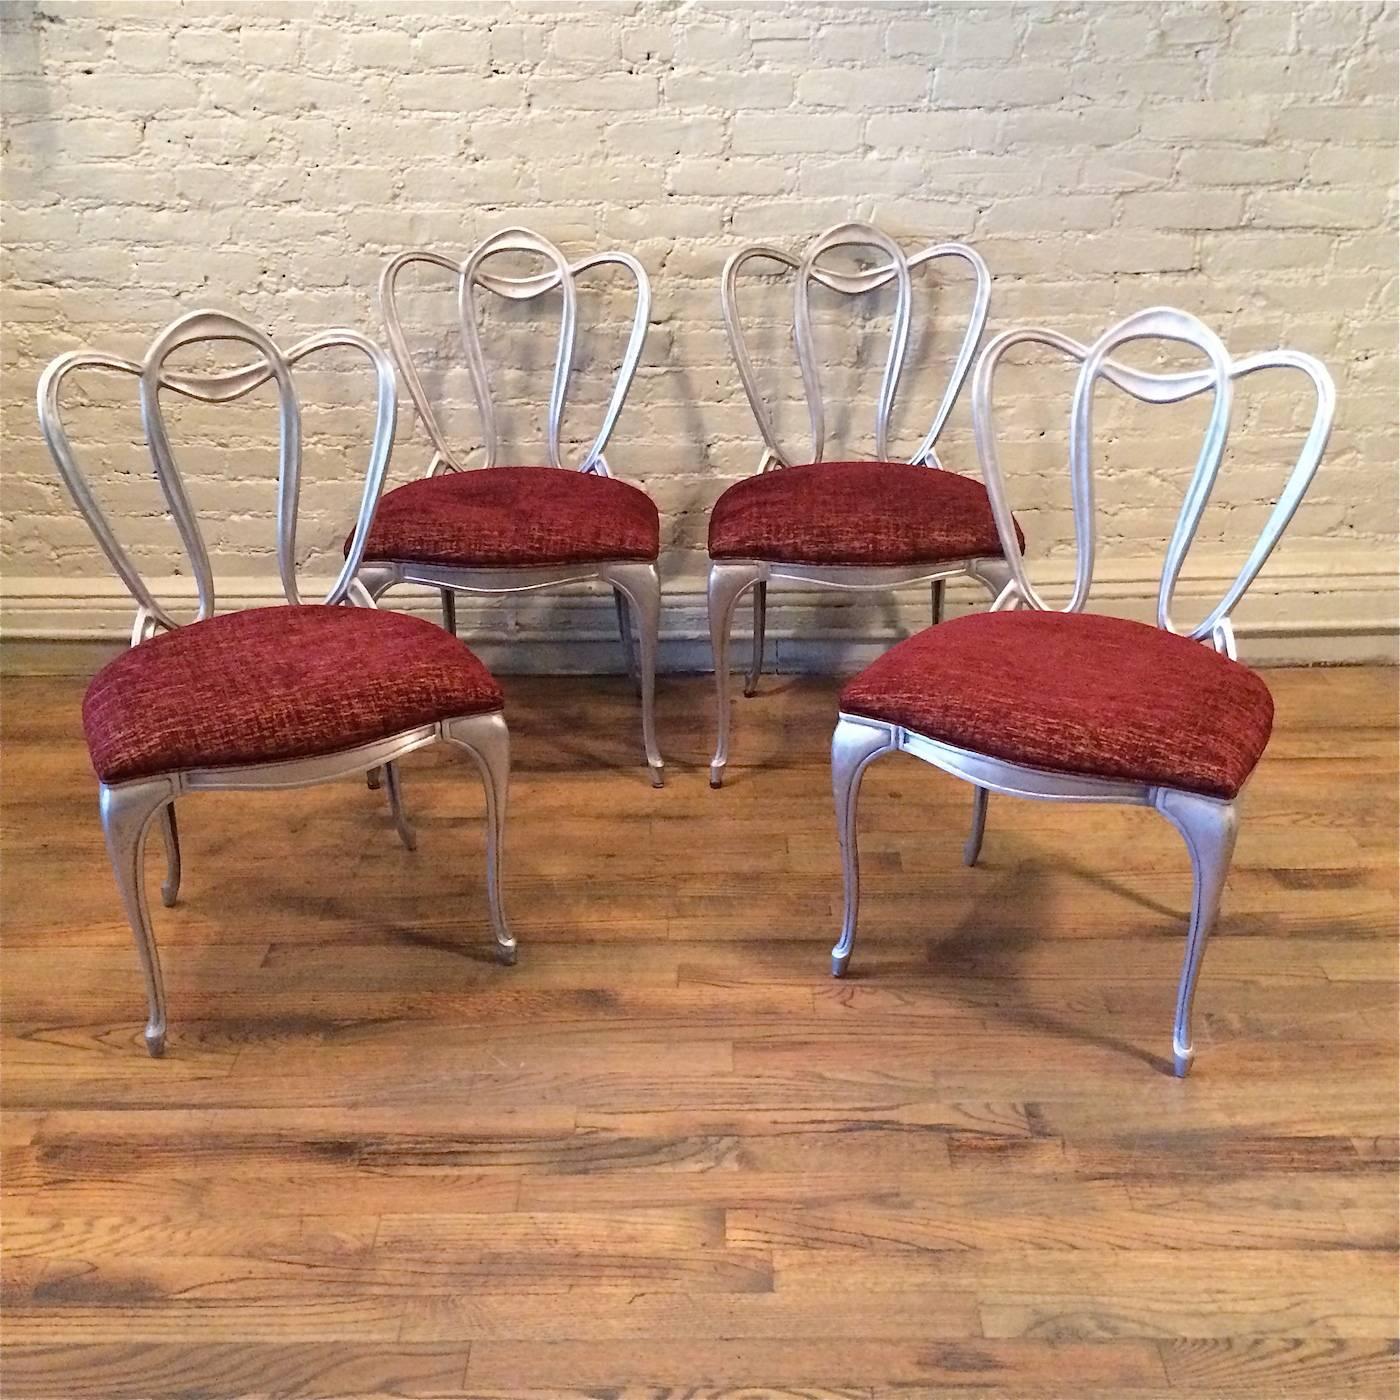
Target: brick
[(885, 86), (768, 133)]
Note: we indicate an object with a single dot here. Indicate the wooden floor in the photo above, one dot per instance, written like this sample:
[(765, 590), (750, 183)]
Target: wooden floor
[(667, 1155)]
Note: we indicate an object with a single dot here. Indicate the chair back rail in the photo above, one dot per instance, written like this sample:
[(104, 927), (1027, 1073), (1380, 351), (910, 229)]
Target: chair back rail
[(897, 267), (473, 272), (272, 363), (1218, 378)]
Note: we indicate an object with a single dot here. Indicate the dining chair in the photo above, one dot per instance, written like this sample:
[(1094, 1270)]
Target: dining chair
[(269, 697), (515, 529), (1072, 706), (868, 524)]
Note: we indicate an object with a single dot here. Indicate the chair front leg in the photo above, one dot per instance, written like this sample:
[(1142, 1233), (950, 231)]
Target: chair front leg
[(855, 744), (726, 586), (760, 627), (127, 811), (1209, 828), (170, 834), (641, 585), (487, 740)]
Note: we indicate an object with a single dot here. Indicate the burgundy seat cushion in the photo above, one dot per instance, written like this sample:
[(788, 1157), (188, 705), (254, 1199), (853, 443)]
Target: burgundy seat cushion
[(1075, 693), (512, 517), (271, 684), (854, 513)]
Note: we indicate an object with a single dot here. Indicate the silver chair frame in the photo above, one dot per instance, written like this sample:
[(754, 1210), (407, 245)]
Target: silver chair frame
[(730, 579), (1208, 825), (635, 584), (128, 809)]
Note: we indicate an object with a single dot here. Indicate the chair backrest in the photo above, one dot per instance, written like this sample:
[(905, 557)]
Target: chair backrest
[(895, 267), (210, 327), (471, 272), (1158, 323)]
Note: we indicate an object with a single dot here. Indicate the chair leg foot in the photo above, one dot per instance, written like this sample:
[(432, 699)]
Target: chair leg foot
[(716, 775), (839, 963), (507, 954), (155, 1041), (1181, 1062)]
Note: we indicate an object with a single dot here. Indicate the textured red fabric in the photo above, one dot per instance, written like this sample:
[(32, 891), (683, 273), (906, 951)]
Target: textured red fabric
[(1075, 693), (270, 684), (509, 517), (854, 513)]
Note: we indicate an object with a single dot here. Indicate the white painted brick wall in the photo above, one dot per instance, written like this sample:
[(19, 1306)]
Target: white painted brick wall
[(1237, 160)]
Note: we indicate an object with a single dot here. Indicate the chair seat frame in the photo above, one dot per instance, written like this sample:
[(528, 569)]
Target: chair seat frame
[(635, 584), (129, 809), (730, 579), (1208, 825)]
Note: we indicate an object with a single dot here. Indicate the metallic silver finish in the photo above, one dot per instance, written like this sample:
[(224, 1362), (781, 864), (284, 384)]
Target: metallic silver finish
[(624, 632), (893, 266), (1209, 828), (127, 812), (760, 627), (170, 833), (449, 610), (128, 809), (855, 745), (472, 273), (1207, 825), (1156, 323), (936, 591), (393, 785)]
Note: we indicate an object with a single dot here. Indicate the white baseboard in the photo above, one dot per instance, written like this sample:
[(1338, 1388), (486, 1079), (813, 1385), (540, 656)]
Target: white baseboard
[(1302, 611)]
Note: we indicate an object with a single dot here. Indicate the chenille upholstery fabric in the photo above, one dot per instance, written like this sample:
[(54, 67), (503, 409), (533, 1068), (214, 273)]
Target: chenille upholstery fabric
[(854, 513), (1075, 693), (271, 684), (513, 517)]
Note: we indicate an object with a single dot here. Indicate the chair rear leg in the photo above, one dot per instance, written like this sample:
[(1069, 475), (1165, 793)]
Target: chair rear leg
[(936, 591), (170, 834), (973, 847), (760, 627), (127, 811), (629, 646), (641, 585), (394, 786), (449, 610), (1209, 828)]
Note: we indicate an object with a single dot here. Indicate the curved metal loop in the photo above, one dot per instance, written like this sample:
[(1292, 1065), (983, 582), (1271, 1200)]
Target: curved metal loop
[(471, 273), (1157, 323), (217, 387), (898, 269)]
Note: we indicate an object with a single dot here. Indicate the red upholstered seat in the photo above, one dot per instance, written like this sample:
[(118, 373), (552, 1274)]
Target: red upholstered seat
[(1075, 693), (854, 513), (271, 684), (512, 517)]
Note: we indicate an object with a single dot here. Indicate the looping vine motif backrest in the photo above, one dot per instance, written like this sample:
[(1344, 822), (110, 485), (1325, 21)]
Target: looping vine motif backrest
[(471, 273), (1160, 324), (897, 267), (273, 364)]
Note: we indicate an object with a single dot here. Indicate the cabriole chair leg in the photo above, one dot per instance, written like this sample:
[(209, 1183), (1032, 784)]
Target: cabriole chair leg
[(1209, 828), (641, 585), (854, 746), (726, 586), (760, 627), (127, 811), (487, 740)]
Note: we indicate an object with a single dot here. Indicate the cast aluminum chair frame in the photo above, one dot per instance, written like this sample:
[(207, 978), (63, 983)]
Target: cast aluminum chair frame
[(729, 579), (635, 584), (128, 809), (1208, 825)]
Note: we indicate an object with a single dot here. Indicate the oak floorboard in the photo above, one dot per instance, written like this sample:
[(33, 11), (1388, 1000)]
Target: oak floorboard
[(666, 1157)]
